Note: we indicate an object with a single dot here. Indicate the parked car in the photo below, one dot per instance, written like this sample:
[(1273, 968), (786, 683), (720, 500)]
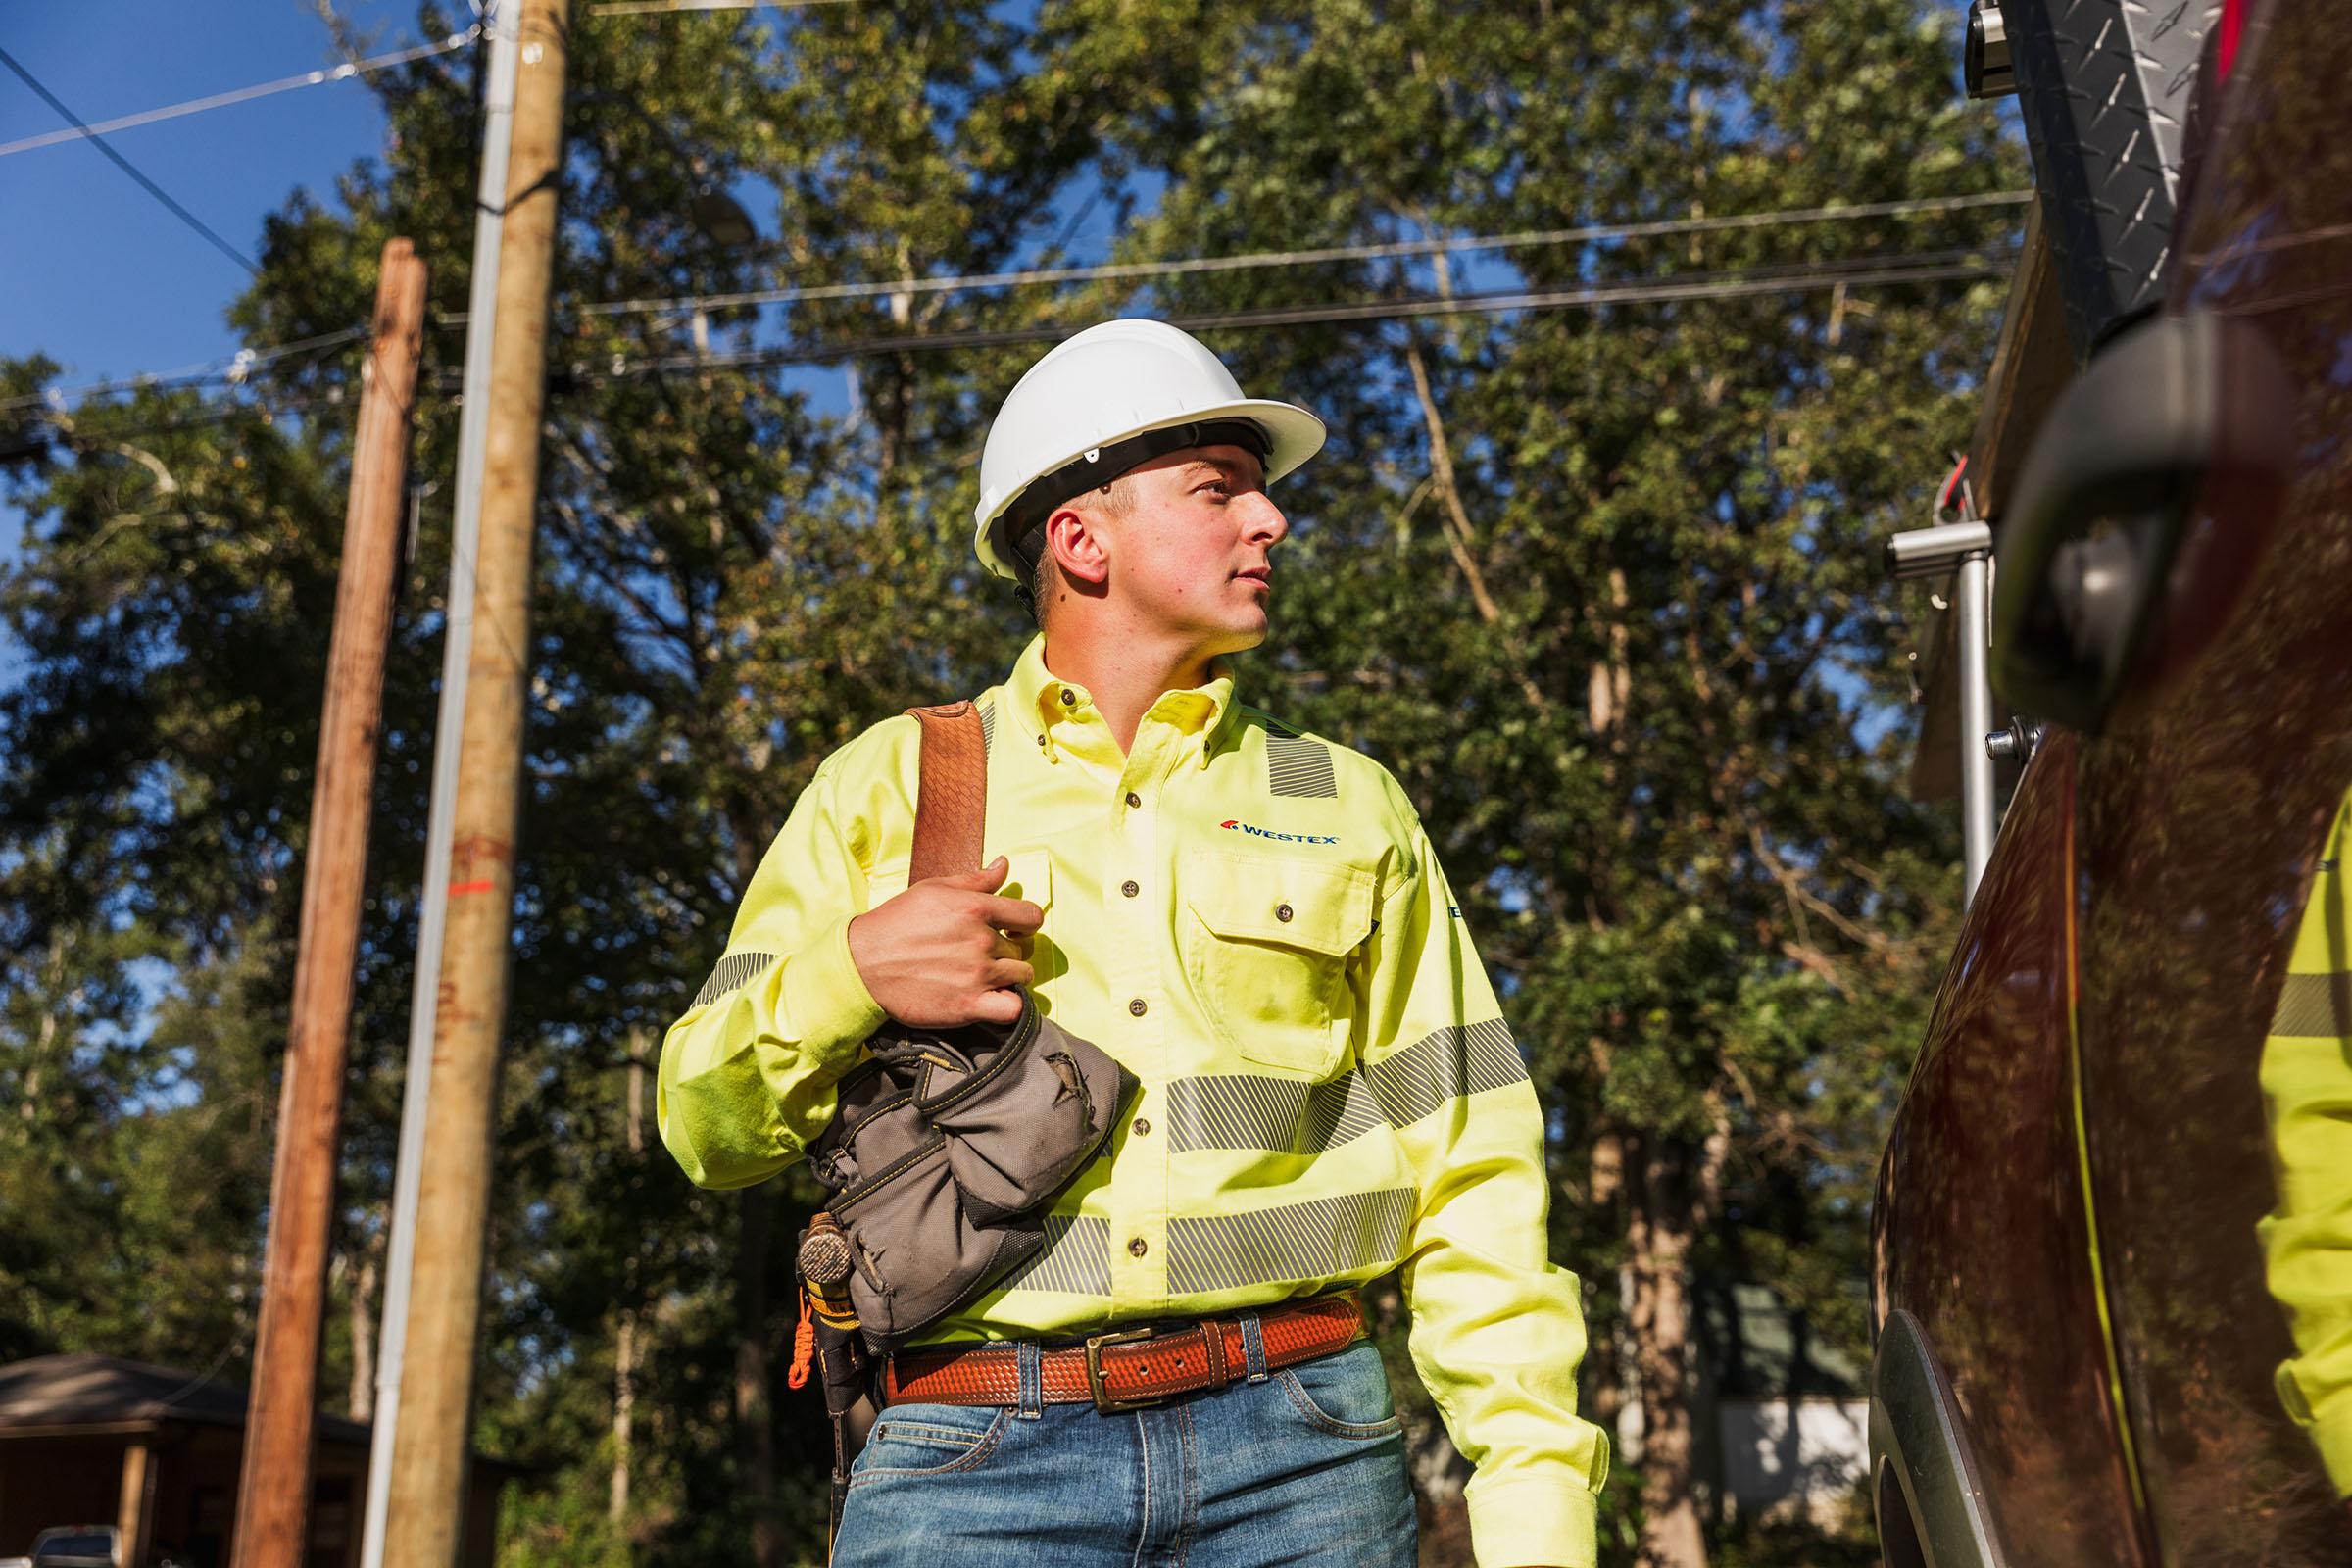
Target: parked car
[(79, 1546), (2081, 1334)]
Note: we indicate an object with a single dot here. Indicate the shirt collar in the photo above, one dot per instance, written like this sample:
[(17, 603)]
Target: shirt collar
[(1043, 700)]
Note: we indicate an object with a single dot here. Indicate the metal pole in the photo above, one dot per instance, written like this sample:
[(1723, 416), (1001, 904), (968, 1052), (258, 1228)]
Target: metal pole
[(504, 24), (1970, 600), (427, 1502), (273, 1493)]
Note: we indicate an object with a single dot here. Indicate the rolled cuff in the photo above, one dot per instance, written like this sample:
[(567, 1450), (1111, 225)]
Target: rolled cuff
[(1528, 1519)]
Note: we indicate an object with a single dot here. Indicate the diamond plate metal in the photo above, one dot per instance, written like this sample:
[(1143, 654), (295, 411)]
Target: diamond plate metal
[(2105, 87)]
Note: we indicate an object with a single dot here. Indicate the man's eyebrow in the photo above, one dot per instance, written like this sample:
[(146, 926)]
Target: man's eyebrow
[(1219, 465)]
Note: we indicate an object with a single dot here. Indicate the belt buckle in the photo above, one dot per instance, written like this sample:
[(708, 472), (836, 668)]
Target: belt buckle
[(1093, 1371)]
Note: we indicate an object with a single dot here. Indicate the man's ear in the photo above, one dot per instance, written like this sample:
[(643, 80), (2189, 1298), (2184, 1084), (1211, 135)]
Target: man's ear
[(1076, 543)]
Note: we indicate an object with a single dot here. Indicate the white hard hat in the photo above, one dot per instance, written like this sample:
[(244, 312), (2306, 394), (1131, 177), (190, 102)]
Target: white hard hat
[(1112, 397)]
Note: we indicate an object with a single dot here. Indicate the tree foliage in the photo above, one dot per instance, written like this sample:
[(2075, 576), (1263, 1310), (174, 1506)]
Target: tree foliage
[(1600, 585)]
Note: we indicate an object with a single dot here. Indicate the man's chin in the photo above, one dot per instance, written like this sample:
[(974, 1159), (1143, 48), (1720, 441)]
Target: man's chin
[(1240, 639)]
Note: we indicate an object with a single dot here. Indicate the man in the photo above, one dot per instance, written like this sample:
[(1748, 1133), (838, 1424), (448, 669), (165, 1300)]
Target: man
[(1251, 920)]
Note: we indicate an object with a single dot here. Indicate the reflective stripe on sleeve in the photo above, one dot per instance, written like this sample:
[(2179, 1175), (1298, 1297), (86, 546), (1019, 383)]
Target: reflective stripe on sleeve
[(732, 973), (2315, 1005)]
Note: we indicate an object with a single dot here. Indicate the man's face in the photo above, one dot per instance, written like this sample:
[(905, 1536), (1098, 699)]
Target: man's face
[(1190, 552)]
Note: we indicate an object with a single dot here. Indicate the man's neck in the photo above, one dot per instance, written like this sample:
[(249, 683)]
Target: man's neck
[(1126, 679)]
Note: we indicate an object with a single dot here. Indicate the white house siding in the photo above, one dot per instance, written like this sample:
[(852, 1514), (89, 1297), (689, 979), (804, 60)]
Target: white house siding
[(1805, 1457)]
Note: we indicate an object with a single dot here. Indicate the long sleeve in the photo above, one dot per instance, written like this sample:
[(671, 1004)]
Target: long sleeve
[(748, 1072), (2307, 1240), (1497, 1331)]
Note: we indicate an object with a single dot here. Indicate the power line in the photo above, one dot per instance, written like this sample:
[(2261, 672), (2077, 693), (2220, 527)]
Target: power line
[(655, 8), (1178, 266), (241, 95), (1880, 271), (1117, 271), (1860, 272), (124, 164), (234, 368), (112, 423)]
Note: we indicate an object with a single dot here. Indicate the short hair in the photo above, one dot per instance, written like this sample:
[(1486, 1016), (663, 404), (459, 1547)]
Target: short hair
[(1114, 500)]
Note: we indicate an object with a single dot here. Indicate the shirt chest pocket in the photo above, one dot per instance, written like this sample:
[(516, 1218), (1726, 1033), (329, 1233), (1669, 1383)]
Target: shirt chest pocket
[(1267, 943)]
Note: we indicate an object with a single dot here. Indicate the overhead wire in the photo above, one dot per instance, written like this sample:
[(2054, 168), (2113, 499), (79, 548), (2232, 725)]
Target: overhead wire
[(1932, 267), (1530, 239), (117, 422), (125, 164), (234, 369), (251, 359), (221, 100), (1859, 272), (655, 8)]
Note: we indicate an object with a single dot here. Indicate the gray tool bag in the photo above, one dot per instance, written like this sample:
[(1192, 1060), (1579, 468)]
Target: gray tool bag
[(947, 1148)]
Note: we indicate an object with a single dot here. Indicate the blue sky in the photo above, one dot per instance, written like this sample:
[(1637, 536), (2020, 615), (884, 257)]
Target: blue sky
[(93, 272)]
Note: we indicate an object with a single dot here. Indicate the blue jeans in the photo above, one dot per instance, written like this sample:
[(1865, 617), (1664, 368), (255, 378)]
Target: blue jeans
[(1301, 1465)]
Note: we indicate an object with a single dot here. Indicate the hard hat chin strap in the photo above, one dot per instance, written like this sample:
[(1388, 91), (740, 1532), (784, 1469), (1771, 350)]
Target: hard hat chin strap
[(1021, 529)]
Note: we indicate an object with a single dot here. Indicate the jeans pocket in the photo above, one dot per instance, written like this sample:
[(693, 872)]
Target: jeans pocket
[(1345, 1394), (929, 1440)]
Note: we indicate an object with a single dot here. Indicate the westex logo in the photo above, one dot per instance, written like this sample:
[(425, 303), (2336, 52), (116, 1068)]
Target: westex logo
[(1281, 838)]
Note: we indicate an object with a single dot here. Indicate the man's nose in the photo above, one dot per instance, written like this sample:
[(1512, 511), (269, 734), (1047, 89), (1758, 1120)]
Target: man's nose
[(1266, 521)]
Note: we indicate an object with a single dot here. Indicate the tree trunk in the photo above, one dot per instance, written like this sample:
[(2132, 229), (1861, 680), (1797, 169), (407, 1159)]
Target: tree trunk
[(624, 1352), (756, 1445), (28, 1106), (624, 1415), (365, 1276), (1662, 1223), (1601, 1349), (755, 1432)]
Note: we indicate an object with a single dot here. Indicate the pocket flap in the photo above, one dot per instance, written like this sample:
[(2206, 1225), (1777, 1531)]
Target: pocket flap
[(1274, 898)]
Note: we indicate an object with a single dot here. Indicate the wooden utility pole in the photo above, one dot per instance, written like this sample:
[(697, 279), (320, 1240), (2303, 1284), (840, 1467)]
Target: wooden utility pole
[(430, 1448), (274, 1496)]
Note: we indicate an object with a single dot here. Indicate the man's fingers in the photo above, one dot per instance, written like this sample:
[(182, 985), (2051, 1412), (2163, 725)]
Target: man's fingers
[(1017, 915), (1003, 972), (997, 1007), (986, 879)]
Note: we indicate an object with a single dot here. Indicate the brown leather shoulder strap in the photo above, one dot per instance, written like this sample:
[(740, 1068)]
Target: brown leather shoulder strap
[(951, 806)]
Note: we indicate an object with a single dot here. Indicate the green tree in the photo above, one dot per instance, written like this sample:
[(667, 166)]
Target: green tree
[(1599, 585)]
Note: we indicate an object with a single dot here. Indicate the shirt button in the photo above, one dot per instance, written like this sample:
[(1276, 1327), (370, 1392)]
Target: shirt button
[(1136, 1007), (1069, 699), (1131, 888), (1141, 1126), (1041, 740), (1282, 912), (1134, 799), (1138, 1248)]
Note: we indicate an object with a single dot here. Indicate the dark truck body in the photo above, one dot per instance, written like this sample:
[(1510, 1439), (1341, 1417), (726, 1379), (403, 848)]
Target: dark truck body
[(2076, 1346)]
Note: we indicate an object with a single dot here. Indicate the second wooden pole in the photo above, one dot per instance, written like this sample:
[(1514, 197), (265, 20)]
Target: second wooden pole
[(425, 1525)]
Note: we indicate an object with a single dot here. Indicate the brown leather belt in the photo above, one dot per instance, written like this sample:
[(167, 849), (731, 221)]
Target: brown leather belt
[(1131, 1368)]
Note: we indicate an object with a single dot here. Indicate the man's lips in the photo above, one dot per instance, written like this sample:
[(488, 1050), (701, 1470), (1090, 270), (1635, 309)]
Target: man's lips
[(1258, 575)]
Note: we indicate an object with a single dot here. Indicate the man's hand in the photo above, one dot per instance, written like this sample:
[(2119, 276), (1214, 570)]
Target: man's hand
[(947, 952)]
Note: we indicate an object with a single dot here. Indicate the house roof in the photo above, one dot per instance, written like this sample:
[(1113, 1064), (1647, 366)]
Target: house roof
[(86, 1388)]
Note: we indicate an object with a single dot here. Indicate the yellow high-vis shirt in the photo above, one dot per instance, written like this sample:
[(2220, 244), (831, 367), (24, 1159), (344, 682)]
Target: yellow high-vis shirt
[(1252, 921), (2307, 1088)]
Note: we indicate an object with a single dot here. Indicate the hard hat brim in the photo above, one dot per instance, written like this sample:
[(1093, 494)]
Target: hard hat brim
[(1292, 435)]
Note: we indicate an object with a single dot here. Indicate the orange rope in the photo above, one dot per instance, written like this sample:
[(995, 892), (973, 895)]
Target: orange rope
[(803, 1344)]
